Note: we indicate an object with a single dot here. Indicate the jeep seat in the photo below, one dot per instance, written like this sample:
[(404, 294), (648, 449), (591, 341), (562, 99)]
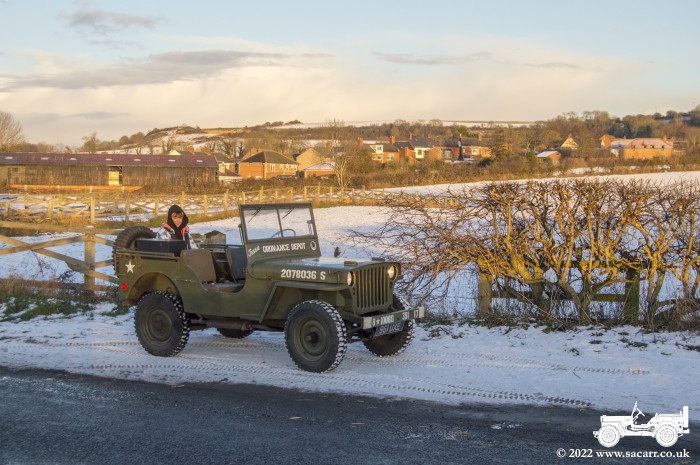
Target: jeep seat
[(202, 263), (237, 262)]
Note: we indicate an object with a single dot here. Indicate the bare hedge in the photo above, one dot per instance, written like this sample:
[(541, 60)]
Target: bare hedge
[(553, 245)]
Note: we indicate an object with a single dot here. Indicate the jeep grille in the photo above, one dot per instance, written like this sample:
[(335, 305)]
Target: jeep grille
[(373, 288)]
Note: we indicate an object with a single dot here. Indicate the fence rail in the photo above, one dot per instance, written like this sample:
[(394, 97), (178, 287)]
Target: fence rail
[(89, 236), (91, 207)]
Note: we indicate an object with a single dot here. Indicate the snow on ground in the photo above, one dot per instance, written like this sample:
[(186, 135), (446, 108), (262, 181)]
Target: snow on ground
[(665, 177), (587, 367)]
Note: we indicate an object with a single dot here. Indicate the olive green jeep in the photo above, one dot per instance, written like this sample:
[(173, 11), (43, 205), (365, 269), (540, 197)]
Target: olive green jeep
[(276, 280)]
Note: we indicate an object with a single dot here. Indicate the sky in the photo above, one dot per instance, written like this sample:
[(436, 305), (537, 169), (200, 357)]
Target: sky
[(69, 68)]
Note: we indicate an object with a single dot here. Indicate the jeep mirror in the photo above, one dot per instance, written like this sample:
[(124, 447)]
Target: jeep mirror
[(336, 252)]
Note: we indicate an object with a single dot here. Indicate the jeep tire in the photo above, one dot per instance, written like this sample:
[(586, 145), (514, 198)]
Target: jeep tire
[(608, 436), (126, 239), (315, 336), (162, 327), (666, 435), (392, 344)]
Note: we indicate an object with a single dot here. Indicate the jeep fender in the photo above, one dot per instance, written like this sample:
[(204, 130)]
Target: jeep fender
[(150, 282), (618, 427), (279, 287)]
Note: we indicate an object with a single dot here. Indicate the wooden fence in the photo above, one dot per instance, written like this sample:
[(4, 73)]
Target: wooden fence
[(629, 298), (89, 236), (91, 207)]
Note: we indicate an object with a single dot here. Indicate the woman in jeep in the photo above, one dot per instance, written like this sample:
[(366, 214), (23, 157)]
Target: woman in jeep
[(175, 228)]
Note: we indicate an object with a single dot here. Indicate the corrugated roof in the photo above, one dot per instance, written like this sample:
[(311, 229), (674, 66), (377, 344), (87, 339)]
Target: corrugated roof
[(110, 159)]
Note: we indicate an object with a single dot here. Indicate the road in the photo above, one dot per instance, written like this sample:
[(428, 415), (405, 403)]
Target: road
[(60, 418)]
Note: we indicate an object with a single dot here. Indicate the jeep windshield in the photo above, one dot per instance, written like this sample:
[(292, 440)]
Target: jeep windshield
[(265, 222)]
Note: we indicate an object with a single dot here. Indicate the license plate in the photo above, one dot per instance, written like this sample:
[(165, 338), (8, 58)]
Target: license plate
[(388, 329)]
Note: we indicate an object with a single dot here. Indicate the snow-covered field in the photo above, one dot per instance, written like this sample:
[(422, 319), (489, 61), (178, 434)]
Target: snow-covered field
[(590, 366)]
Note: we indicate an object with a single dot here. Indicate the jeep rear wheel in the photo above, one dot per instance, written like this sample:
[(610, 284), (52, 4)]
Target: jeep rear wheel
[(315, 336), (126, 239), (161, 325), (235, 333), (608, 436), (666, 435)]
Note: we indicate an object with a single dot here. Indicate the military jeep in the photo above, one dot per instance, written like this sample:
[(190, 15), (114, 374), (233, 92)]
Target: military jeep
[(275, 280)]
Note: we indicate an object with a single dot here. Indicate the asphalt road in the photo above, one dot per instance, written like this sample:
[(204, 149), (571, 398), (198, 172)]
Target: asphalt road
[(59, 418)]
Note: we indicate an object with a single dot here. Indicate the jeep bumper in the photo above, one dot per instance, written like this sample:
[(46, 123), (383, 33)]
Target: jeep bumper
[(391, 318)]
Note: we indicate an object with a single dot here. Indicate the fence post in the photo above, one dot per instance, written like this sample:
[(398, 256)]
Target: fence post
[(49, 212), (127, 208), (155, 207), (226, 202), (485, 294), (92, 209), (631, 305), (182, 200), (88, 279), (305, 194), (206, 206)]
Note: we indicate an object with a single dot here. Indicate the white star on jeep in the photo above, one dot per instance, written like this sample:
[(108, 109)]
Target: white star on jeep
[(130, 267)]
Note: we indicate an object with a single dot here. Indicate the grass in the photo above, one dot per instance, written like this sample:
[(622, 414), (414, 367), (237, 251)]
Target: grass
[(22, 300)]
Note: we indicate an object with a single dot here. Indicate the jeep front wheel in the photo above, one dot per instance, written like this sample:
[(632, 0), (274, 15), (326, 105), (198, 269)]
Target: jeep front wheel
[(391, 344), (315, 336), (162, 327), (608, 436), (395, 343)]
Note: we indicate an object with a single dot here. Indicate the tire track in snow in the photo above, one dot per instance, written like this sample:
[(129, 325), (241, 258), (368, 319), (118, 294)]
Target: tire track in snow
[(492, 361)]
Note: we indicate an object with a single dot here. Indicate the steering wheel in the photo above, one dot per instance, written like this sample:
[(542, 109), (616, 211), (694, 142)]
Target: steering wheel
[(281, 233), (639, 412)]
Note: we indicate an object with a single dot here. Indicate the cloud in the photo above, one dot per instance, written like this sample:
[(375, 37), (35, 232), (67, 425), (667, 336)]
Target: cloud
[(158, 69), (431, 60), (555, 65), (106, 22), (92, 115)]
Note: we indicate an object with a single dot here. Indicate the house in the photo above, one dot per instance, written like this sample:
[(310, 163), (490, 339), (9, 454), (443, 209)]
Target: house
[(225, 162), (646, 148), (569, 144), (617, 145), (606, 141), (313, 156), (113, 169), (471, 147), (552, 155), (227, 168), (421, 147), (383, 152), (267, 164), (319, 170)]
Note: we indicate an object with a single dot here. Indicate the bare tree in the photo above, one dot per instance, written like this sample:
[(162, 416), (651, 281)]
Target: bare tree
[(90, 143), (11, 134)]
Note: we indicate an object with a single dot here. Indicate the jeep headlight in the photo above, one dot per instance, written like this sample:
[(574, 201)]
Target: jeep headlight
[(351, 278), (392, 271)]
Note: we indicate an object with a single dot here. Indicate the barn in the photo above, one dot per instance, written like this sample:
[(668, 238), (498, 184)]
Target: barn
[(112, 169)]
